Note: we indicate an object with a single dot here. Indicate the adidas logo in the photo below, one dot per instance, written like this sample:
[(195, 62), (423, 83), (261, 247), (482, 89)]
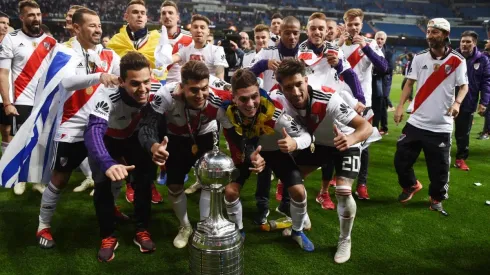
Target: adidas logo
[(80, 65), (442, 145), (21, 44), (425, 67), (102, 107)]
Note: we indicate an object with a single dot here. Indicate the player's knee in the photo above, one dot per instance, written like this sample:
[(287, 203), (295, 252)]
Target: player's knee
[(60, 179), (297, 192), (343, 181), (232, 192), (175, 189)]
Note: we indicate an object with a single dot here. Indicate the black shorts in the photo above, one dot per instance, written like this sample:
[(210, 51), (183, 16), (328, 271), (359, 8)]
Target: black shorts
[(347, 163), (16, 121), (69, 156), (180, 159), (4, 120), (280, 163)]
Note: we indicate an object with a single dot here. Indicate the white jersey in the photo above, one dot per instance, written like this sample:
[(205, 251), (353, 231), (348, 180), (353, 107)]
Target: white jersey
[(362, 66), (436, 82), (27, 58), (320, 73), (269, 75), (81, 89), (121, 112), (182, 39), (326, 109), (211, 55), (179, 118), (248, 58)]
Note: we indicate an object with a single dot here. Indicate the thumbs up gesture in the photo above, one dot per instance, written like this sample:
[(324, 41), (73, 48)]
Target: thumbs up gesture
[(159, 152), (287, 144), (257, 160), (341, 141)]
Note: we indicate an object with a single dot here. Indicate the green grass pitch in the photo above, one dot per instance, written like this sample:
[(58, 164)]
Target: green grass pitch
[(388, 238)]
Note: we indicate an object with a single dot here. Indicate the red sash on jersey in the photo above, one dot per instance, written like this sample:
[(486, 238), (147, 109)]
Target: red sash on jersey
[(33, 64), (80, 97), (355, 57), (434, 80), (126, 132)]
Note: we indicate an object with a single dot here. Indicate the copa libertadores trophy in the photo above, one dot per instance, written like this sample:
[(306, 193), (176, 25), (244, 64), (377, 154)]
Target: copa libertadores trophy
[(217, 246)]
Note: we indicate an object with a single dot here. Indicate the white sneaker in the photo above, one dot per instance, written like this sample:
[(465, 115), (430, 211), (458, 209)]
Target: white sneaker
[(307, 224), (20, 188), (87, 183), (92, 193), (193, 188), (343, 251), (39, 187), (182, 238)]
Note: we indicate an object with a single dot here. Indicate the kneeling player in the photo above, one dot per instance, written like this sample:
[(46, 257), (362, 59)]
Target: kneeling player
[(110, 137), (325, 115), (254, 118)]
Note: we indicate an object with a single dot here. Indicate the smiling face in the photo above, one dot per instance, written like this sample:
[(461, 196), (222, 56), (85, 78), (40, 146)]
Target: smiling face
[(317, 31), (435, 38), (290, 35), (295, 89), (136, 17), (90, 31), (247, 100), (31, 20), (196, 92), (68, 22), (137, 84), (332, 31), (261, 40)]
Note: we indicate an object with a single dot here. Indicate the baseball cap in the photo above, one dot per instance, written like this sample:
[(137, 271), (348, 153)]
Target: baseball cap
[(439, 23)]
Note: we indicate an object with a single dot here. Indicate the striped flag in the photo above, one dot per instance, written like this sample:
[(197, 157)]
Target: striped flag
[(28, 156)]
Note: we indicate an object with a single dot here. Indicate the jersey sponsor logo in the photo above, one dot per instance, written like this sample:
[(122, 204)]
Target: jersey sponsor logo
[(196, 57), (102, 108), (21, 44), (305, 56), (219, 83), (157, 100), (344, 108), (80, 65)]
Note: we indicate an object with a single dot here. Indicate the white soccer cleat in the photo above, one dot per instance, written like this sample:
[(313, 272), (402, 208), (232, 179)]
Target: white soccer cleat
[(343, 251), (19, 188), (307, 224), (193, 188), (182, 238), (87, 183), (38, 187)]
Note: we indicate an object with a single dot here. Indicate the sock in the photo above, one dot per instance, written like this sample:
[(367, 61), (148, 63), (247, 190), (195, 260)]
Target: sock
[(116, 189), (179, 204), (298, 213), (234, 210), (204, 203), (346, 209), (85, 167), (4, 147), (48, 205)]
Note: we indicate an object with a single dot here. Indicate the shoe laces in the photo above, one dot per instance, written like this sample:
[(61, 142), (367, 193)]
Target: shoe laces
[(143, 236), (183, 229), (342, 246), (108, 242)]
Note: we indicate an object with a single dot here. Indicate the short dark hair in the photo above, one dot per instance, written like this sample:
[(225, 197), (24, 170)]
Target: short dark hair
[(276, 15), (194, 70), (2, 14), (136, 2), (169, 3), (261, 28), (290, 20), (28, 3), (289, 67), (243, 78), (133, 61), (473, 35), (78, 15), (197, 17)]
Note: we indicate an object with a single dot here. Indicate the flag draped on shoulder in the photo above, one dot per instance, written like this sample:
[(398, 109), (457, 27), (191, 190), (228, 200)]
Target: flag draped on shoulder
[(28, 156)]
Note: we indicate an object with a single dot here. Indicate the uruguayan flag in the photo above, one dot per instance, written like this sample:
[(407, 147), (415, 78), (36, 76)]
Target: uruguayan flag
[(28, 156)]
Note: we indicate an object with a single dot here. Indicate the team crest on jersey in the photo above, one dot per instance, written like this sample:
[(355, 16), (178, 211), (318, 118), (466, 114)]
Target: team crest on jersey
[(104, 65), (63, 161), (196, 57), (448, 68), (476, 65), (436, 67), (46, 45), (360, 52)]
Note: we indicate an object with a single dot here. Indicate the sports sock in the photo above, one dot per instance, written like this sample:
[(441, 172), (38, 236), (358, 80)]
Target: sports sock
[(4, 147), (48, 205), (234, 210), (346, 209), (179, 204), (204, 203), (85, 167), (116, 189), (298, 213)]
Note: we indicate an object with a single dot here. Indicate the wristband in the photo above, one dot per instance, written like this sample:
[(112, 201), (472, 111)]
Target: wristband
[(6, 105), (457, 101)]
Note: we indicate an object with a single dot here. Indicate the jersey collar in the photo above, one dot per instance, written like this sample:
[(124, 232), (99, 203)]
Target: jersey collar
[(447, 51), (127, 99), (33, 36)]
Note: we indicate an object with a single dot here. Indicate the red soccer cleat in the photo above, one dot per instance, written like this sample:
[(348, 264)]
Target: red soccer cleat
[(362, 192), (279, 189), (325, 201), (106, 251), (45, 239), (129, 193), (333, 182), (155, 195), (461, 164)]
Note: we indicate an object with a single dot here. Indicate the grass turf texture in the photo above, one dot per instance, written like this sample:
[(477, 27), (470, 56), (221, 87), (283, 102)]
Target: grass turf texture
[(388, 237)]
